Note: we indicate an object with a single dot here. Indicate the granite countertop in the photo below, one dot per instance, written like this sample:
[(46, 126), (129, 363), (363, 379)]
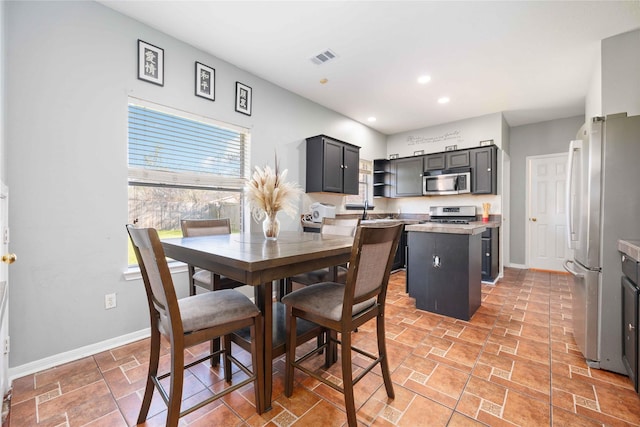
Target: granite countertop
[(630, 248), (472, 228)]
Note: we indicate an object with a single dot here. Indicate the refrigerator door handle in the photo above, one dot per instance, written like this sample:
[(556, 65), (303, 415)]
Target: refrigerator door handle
[(574, 147), (573, 273)]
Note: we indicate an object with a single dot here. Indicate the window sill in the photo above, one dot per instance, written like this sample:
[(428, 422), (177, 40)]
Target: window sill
[(133, 272)]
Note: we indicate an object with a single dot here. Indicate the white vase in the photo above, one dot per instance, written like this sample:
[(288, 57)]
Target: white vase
[(271, 227)]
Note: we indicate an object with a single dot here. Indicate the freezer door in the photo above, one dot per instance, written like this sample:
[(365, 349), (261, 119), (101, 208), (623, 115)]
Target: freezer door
[(585, 310)]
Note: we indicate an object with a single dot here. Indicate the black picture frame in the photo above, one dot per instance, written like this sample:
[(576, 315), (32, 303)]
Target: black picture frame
[(205, 81), (243, 98), (150, 63)]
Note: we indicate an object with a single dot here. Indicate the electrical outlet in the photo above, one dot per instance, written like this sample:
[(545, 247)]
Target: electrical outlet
[(109, 301), (6, 345)]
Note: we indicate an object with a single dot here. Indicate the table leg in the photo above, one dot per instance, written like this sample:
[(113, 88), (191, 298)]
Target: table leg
[(264, 299)]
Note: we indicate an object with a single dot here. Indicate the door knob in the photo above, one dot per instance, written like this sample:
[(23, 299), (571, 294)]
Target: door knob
[(9, 258), (534, 219)]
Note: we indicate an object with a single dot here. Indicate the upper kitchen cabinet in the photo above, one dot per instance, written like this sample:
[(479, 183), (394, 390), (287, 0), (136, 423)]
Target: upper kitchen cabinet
[(407, 176), (447, 160), (332, 165), (484, 170)]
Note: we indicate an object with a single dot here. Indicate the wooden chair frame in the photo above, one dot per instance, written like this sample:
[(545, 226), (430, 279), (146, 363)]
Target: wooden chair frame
[(349, 322), (180, 340)]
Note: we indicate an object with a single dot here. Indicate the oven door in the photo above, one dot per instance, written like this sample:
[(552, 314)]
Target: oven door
[(440, 184)]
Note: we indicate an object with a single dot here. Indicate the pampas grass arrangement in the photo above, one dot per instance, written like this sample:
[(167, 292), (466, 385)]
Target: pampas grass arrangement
[(267, 193)]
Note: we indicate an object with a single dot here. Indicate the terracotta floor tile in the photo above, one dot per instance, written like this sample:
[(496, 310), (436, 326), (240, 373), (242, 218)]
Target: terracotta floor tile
[(514, 363)]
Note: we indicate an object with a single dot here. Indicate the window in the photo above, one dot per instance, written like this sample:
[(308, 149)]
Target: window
[(364, 185), (183, 166)]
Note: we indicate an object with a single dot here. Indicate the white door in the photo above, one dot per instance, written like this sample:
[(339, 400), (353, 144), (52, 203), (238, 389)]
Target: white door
[(6, 259), (546, 220)]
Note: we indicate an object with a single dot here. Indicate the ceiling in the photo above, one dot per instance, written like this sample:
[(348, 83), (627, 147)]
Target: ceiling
[(531, 60)]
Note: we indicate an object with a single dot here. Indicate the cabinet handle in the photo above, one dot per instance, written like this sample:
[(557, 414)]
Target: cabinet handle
[(436, 261), (631, 327), (624, 258), (346, 167), (488, 169), (487, 254)]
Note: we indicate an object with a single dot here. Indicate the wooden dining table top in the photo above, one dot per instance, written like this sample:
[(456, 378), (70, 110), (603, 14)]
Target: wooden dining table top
[(251, 259)]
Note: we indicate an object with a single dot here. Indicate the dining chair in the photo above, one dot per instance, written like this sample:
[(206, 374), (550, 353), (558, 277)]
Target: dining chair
[(203, 278), (336, 226), (342, 308), (190, 321)]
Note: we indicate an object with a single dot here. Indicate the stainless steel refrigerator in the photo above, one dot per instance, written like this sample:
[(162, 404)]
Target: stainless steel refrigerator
[(603, 205)]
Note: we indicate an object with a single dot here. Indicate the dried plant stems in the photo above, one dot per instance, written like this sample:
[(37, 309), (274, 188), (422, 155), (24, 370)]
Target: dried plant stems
[(268, 193)]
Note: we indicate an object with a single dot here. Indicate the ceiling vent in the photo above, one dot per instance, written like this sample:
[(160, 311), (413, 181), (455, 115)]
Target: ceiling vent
[(323, 57)]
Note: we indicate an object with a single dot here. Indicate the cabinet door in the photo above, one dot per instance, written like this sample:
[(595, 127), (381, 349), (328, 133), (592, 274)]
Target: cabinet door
[(434, 162), (351, 163), (332, 169), (486, 259), (457, 159), (630, 329), (483, 170), (408, 176)]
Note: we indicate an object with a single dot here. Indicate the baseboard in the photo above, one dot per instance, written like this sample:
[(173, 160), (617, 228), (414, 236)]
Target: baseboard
[(78, 353), (520, 266)]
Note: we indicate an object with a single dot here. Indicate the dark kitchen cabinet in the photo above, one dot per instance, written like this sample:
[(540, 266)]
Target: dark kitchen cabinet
[(443, 272), (381, 178), (400, 259), (630, 321), (630, 330), (447, 160), (407, 176), (490, 254), (484, 163), (332, 165)]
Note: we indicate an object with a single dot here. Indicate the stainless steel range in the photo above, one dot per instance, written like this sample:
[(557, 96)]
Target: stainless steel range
[(452, 214)]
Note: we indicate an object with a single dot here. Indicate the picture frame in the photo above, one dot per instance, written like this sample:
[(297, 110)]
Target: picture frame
[(150, 63), (418, 152), (243, 98), (205, 81), (486, 142), (393, 156)]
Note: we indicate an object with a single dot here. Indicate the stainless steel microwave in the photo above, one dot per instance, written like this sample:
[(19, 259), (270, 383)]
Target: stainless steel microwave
[(446, 182)]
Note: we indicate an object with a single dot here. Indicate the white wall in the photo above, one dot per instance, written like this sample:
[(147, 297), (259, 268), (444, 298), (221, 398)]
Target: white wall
[(433, 139), (70, 67)]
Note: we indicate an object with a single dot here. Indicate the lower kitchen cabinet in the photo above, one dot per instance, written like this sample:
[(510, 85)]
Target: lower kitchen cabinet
[(400, 259), (490, 254), (630, 321), (630, 330), (443, 272)]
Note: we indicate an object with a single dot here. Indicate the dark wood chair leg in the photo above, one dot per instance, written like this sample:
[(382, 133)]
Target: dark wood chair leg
[(291, 352), (227, 362), (215, 346), (384, 362), (177, 380), (347, 379), (154, 358)]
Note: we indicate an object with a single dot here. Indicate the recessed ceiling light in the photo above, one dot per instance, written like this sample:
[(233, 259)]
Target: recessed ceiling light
[(371, 119), (443, 100), (424, 79), (324, 80)]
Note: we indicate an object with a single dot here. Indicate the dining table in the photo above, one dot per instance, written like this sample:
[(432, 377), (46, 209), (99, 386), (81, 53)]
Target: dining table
[(252, 259)]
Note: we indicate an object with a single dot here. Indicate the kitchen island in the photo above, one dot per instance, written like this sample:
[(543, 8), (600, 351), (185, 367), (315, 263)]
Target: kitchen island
[(444, 267)]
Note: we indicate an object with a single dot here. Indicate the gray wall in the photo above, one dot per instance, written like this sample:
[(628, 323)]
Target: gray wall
[(621, 74), (532, 140), (69, 69)]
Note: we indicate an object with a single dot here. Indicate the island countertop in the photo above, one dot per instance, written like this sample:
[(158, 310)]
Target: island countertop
[(475, 227)]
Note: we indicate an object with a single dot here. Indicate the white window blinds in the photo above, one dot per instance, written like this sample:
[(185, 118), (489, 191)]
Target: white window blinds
[(172, 147)]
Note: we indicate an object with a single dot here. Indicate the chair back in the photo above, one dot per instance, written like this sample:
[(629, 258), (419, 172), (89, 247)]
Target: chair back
[(205, 227), (161, 295), (372, 255), (340, 226)]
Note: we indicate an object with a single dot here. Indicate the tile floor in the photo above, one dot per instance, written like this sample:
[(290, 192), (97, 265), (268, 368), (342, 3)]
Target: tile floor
[(514, 364)]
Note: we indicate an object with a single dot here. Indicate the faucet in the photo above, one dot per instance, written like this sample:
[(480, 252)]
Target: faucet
[(364, 211)]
